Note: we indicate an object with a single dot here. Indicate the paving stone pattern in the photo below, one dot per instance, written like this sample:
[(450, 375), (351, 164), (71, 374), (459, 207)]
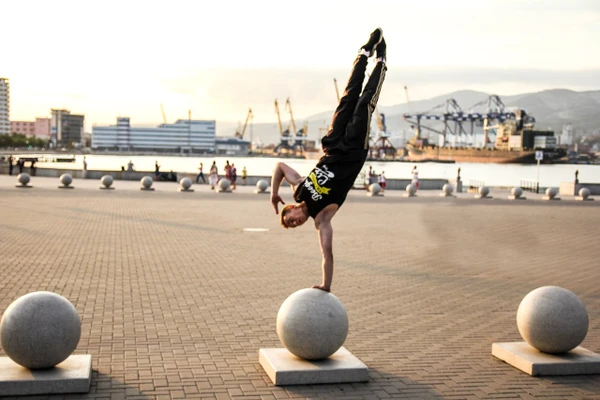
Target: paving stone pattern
[(176, 299)]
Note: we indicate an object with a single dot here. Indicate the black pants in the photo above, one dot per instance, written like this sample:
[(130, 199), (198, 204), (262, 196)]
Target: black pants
[(200, 175), (348, 137)]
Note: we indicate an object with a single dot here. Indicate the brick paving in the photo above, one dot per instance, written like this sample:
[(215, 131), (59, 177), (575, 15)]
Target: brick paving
[(176, 299)]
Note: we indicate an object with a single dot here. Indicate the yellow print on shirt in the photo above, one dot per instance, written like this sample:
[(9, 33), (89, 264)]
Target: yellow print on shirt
[(318, 188)]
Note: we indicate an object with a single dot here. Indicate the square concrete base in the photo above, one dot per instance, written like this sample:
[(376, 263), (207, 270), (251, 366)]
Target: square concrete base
[(147, 189), (185, 190), (511, 197), (374, 195), (223, 191), (66, 187), (409, 195), (480, 197), (23, 186), (550, 198), (107, 188), (74, 375), (284, 368), (582, 199), (578, 361), (259, 192)]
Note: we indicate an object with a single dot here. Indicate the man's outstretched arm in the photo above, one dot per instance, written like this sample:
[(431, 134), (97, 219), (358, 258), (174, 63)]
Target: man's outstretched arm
[(280, 172), (326, 239)]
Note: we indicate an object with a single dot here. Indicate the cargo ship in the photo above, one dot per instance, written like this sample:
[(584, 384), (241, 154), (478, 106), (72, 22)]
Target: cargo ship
[(514, 138)]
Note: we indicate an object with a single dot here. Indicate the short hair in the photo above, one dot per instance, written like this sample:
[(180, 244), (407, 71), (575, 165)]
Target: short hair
[(284, 212)]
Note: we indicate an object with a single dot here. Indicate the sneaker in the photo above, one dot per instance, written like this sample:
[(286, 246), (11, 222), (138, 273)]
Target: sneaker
[(374, 40), (381, 49)]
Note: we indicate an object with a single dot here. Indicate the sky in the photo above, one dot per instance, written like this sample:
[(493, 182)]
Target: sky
[(219, 58)]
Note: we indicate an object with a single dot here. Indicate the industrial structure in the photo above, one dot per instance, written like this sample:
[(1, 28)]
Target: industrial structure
[(66, 129), (184, 136), (4, 106)]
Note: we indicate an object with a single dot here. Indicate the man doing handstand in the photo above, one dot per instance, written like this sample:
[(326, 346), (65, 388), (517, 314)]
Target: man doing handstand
[(346, 145)]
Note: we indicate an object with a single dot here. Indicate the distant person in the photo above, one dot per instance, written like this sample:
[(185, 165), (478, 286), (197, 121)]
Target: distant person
[(346, 146), (200, 174), (156, 169), (21, 165), (233, 176), (227, 171), (32, 168), (11, 161), (122, 168), (381, 181), (130, 166), (244, 176), (84, 168), (214, 175), (415, 177)]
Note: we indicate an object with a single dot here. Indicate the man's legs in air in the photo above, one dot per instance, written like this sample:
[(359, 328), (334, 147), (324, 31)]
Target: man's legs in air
[(348, 103)]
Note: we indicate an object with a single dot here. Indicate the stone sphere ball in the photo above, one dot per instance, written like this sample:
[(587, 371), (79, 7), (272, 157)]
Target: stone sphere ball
[(552, 319), (312, 324), (411, 189), (146, 181), (23, 178), (185, 183), (107, 180), (447, 188), (66, 179), (40, 330), (516, 191), (224, 184), (484, 191), (584, 192), (375, 188), (262, 185), (551, 192)]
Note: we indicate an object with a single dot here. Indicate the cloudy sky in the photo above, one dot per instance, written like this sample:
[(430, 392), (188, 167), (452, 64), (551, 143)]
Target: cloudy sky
[(218, 58)]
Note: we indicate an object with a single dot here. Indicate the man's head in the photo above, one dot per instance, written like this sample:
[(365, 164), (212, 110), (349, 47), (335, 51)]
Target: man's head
[(293, 215)]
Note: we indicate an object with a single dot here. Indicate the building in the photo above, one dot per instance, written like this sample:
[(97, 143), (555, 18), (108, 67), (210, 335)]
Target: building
[(40, 128), (232, 146), (192, 136), (566, 138), (4, 106), (66, 129)]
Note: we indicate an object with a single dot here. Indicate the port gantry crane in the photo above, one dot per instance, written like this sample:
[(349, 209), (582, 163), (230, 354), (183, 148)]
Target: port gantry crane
[(454, 117), (284, 144), (249, 116), (300, 135)]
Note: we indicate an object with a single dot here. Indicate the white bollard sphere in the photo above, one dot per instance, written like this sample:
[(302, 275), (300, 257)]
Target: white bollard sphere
[(262, 185), (411, 189), (40, 330), (107, 180), (224, 184), (66, 179), (584, 193), (375, 189), (551, 192), (312, 324), (516, 191), (447, 189), (147, 181), (552, 319), (23, 178), (185, 183), (484, 191)]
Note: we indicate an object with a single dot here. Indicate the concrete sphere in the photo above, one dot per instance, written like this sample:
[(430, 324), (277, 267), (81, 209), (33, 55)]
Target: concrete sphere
[(552, 319), (224, 184), (375, 188), (484, 191), (551, 192), (107, 180), (66, 179), (40, 330), (147, 181), (262, 185), (516, 191), (185, 183), (411, 189), (23, 178), (584, 192), (312, 324), (447, 188)]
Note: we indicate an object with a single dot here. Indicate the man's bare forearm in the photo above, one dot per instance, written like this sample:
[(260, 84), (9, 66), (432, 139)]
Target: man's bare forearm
[(327, 271), (276, 179)]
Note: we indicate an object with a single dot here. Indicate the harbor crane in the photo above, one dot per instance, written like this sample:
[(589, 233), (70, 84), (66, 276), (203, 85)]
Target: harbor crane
[(284, 144), (249, 116), (337, 92), (299, 135), (162, 109)]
